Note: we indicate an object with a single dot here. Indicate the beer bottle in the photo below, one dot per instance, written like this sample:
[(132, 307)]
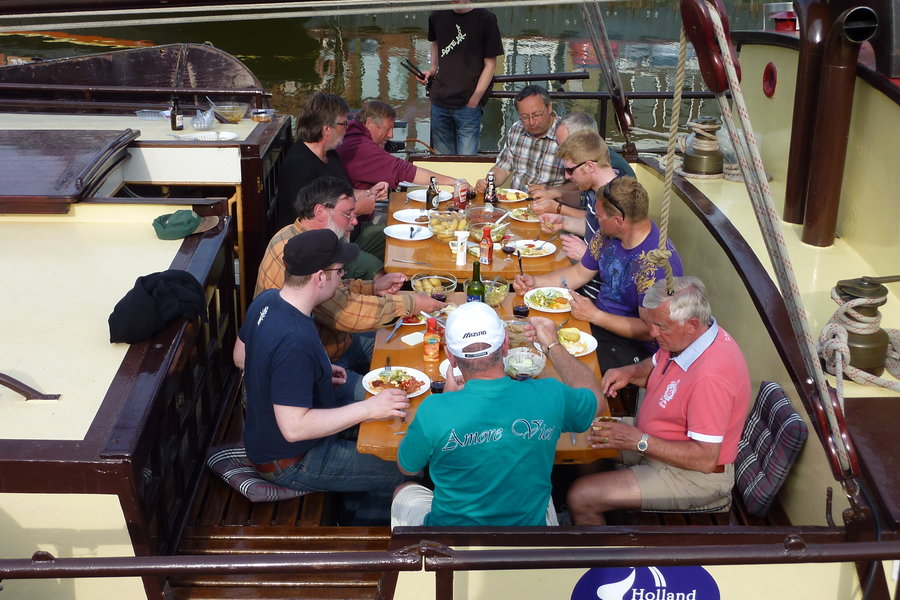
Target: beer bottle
[(490, 194), (486, 247), (475, 289), (432, 196), (176, 117)]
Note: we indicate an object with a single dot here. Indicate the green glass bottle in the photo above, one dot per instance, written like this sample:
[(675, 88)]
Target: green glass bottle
[(475, 289)]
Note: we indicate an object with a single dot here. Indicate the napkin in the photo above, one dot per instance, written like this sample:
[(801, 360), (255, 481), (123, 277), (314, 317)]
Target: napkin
[(411, 339)]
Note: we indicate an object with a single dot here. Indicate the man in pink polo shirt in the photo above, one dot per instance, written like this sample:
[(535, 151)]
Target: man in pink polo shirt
[(680, 452)]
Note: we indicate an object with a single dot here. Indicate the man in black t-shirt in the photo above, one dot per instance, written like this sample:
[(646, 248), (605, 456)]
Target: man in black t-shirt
[(465, 44)]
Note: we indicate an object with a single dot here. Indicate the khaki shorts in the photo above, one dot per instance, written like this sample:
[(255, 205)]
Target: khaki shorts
[(413, 503), (664, 487)]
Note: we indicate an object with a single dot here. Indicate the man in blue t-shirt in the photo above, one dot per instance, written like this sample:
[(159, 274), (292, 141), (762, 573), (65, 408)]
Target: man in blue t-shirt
[(293, 417), (620, 237), (489, 446)]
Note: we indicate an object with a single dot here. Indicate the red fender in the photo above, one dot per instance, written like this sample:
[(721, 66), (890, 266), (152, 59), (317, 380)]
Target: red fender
[(697, 21)]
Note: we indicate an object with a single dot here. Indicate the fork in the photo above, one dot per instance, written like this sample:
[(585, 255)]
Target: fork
[(545, 241), (386, 371)]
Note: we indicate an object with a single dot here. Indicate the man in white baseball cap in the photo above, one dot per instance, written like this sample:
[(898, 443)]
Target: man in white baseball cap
[(490, 445)]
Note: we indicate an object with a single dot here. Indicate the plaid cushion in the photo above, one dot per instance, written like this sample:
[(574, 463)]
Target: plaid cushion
[(772, 439), (230, 462)]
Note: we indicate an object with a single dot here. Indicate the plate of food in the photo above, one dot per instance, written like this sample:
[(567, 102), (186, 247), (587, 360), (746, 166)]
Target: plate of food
[(409, 233), (524, 214), (419, 195), (535, 248), (577, 342), (413, 320), (413, 216), (511, 195), (446, 365), (549, 299), (411, 381)]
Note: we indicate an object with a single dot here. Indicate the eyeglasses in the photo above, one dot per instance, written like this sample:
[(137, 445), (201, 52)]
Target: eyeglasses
[(340, 124), (571, 170), (607, 193), (349, 217), (533, 116), (341, 271)]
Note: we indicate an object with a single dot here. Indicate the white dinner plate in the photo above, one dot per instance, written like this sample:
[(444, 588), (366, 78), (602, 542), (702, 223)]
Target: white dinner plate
[(207, 136), (401, 232), (589, 341), (409, 215), (419, 195), (369, 377), (532, 303), (517, 215), (421, 321), (446, 365), (518, 195), (528, 248)]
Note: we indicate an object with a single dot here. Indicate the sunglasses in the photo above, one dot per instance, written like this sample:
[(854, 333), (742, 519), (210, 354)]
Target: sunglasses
[(571, 170), (607, 194)]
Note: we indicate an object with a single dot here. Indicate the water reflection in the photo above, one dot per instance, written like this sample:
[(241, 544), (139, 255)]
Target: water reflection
[(359, 57)]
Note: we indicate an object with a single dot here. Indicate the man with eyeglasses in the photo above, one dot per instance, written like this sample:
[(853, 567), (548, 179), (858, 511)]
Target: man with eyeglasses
[(321, 126), (529, 154), (618, 241), (294, 411), (357, 307)]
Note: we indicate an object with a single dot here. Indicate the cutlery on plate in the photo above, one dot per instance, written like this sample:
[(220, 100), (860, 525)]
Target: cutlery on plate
[(386, 371), (413, 262), (394, 330), (545, 241), (427, 316), (501, 219), (414, 231)]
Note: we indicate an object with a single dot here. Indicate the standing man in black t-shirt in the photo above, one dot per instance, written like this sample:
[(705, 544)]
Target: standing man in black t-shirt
[(465, 44)]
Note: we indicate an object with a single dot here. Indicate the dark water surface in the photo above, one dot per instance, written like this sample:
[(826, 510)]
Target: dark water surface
[(359, 57)]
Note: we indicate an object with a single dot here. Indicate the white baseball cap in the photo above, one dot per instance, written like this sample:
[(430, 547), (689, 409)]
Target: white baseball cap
[(472, 323)]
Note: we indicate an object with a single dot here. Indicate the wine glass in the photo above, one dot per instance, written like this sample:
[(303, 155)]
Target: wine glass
[(508, 246)]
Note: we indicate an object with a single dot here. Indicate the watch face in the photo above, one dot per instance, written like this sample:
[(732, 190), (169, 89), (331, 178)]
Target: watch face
[(642, 445)]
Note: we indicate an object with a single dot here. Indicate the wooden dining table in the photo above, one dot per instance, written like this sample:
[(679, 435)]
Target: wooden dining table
[(382, 438), (437, 255)]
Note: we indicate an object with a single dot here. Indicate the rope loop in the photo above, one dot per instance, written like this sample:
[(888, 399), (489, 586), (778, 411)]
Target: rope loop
[(659, 256)]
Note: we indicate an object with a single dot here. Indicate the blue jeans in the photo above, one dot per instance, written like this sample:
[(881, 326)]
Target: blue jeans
[(334, 465), (356, 361), (455, 130)]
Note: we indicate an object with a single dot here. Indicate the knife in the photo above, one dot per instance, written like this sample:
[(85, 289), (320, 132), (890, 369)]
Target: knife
[(412, 262), (396, 327)]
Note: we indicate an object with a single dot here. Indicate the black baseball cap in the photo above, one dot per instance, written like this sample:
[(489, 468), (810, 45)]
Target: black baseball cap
[(314, 250)]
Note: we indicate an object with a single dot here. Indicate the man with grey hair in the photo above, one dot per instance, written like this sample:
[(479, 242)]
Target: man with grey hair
[(681, 450), (365, 158), (490, 446)]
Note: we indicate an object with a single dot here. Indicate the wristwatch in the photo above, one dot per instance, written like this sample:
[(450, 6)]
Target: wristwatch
[(642, 444)]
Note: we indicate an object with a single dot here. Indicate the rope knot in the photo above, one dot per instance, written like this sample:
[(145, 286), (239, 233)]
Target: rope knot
[(659, 256)]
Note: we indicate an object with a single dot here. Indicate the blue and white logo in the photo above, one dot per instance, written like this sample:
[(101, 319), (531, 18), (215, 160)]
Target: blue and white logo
[(646, 583)]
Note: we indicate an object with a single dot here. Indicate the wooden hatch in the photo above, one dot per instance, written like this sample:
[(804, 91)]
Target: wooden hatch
[(44, 171)]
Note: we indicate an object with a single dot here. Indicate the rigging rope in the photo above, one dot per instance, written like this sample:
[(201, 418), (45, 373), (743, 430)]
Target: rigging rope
[(835, 350), (769, 222)]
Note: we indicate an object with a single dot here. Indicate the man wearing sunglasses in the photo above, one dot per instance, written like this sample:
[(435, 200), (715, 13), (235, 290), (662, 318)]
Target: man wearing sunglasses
[(618, 239), (357, 307)]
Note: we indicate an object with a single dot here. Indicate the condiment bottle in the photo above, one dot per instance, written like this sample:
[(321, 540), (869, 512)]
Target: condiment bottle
[(462, 247), (486, 251), (461, 194), (433, 195), (431, 347), (176, 117), (490, 194), (475, 289)]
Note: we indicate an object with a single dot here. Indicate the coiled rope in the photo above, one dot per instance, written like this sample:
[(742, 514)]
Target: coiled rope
[(833, 346)]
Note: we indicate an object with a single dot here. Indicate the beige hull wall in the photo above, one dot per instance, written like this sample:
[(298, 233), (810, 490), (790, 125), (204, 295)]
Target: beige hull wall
[(67, 526)]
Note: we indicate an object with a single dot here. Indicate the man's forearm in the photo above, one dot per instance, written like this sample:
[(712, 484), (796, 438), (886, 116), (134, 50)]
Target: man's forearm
[(297, 424), (575, 374), (574, 224), (484, 81), (689, 454)]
